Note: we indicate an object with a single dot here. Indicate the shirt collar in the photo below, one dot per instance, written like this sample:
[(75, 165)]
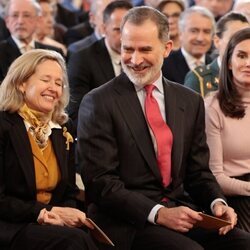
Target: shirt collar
[(20, 44), (51, 125), (219, 61), (158, 84), (115, 57), (190, 59)]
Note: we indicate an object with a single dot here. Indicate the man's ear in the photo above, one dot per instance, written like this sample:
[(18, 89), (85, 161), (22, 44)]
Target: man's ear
[(216, 40), (168, 47), (104, 29), (92, 19)]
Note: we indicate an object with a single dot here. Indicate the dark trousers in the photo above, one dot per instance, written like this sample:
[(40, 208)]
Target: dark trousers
[(46, 237), (154, 237)]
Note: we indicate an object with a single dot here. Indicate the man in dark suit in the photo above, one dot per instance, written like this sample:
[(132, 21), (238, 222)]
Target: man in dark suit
[(99, 63), (9, 51), (95, 18), (119, 151), (21, 20), (196, 31)]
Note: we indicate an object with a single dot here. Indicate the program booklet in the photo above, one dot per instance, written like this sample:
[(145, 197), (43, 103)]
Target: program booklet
[(211, 222), (98, 234)]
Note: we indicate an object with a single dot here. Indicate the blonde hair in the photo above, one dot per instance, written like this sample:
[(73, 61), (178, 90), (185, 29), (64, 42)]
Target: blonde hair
[(12, 99)]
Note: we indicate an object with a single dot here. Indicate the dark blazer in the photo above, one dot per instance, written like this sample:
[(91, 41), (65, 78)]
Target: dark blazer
[(82, 44), (77, 32), (65, 16), (87, 69), (4, 32), (18, 205), (120, 169), (9, 52), (175, 66)]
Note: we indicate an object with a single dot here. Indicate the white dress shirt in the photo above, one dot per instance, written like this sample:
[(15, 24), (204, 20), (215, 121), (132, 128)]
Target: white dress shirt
[(23, 47)]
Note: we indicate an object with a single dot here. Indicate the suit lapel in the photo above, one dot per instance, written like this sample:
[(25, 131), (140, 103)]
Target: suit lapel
[(182, 66), (175, 108), (22, 147), (12, 52), (130, 107)]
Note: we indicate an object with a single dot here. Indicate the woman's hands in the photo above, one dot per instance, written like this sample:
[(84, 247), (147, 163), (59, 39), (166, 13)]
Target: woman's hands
[(63, 216), (49, 218)]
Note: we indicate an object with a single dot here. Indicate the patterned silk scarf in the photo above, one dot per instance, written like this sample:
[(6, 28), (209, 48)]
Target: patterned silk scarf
[(38, 123)]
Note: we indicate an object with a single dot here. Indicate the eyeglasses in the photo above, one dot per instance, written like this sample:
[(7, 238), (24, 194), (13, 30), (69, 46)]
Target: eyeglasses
[(175, 15), (25, 16)]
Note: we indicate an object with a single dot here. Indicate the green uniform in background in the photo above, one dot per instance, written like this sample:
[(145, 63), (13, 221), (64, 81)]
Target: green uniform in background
[(203, 79)]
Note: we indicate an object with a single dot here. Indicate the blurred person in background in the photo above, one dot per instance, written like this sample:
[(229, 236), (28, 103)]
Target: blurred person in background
[(96, 19), (97, 64), (243, 6), (205, 79), (45, 26), (218, 7), (21, 18), (196, 26), (172, 9)]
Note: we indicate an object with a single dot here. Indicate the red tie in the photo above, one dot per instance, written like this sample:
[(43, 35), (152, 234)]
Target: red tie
[(162, 133)]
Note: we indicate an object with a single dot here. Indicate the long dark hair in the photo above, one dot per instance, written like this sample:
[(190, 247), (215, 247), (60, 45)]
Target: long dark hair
[(230, 100)]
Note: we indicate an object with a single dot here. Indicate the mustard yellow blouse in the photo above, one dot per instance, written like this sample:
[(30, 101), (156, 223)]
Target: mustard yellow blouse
[(47, 172)]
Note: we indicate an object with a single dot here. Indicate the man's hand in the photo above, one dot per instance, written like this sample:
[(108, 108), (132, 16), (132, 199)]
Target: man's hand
[(224, 212), (181, 219)]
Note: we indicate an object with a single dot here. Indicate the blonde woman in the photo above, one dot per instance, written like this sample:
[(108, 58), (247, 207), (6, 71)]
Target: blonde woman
[(37, 178)]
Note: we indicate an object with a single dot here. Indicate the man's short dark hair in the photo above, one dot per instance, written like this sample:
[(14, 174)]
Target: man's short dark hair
[(221, 25), (111, 7), (139, 15)]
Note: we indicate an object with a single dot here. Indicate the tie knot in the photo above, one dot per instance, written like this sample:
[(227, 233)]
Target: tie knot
[(149, 88)]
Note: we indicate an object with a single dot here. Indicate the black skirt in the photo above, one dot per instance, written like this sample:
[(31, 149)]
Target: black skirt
[(241, 205)]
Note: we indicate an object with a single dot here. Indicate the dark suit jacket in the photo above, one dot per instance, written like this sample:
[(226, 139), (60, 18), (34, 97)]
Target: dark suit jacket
[(175, 66), (18, 205), (65, 16), (120, 169), (4, 32), (9, 52), (77, 32), (82, 44), (87, 69)]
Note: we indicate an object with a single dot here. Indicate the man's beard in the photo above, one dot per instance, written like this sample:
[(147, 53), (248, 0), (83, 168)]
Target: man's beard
[(142, 79)]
